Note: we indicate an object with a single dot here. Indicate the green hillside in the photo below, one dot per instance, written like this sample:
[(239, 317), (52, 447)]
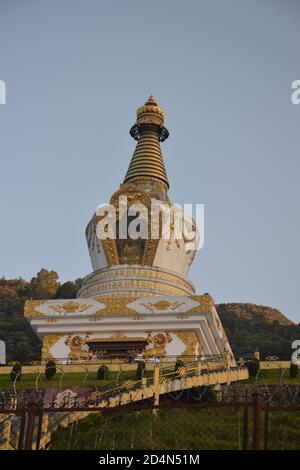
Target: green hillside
[(250, 327)]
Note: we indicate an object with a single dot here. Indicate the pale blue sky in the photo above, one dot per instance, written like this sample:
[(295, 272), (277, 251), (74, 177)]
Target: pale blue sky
[(75, 73)]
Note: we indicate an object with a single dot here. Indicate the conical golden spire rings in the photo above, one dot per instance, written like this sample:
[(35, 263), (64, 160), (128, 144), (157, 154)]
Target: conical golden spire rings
[(149, 131)]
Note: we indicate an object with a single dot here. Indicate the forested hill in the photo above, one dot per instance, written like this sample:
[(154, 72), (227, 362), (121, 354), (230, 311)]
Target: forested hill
[(248, 326), (22, 344)]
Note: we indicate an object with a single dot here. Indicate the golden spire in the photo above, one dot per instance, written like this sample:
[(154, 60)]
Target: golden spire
[(149, 131)]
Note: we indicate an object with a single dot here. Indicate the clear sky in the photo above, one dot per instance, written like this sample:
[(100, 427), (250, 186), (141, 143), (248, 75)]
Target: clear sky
[(75, 72)]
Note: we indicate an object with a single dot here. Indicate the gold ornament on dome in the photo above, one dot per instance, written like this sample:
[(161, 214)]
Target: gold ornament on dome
[(146, 279), (70, 307), (134, 195)]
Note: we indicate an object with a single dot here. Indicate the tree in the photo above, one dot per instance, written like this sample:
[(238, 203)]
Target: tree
[(67, 290), (44, 285)]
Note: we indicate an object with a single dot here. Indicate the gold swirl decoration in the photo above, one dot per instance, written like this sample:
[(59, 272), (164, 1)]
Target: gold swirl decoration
[(48, 343), (190, 340)]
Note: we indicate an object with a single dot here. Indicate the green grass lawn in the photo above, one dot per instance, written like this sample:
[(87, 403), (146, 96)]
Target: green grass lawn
[(79, 379), (274, 376)]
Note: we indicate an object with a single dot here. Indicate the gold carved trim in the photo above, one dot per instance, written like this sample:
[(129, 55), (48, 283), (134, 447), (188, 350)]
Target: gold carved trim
[(70, 307), (190, 340), (48, 342), (115, 306), (205, 304), (163, 305), (31, 306)]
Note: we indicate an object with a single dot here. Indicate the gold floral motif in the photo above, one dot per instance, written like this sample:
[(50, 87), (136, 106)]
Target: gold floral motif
[(138, 318), (163, 305), (48, 343), (114, 306), (70, 307)]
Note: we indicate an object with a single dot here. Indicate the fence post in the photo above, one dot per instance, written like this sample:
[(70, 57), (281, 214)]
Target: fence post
[(245, 426), (32, 412), (156, 376), (266, 429), (22, 429), (256, 420)]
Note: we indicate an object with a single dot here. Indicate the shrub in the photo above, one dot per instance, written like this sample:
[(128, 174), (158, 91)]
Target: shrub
[(102, 372), (253, 367), (293, 370), (16, 372), (141, 370), (50, 370)]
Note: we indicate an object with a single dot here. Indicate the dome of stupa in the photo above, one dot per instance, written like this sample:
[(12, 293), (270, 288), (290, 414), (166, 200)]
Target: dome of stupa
[(156, 264)]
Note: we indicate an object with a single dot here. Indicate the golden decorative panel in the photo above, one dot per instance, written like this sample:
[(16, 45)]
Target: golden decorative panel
[(70, 307), (205, 303), (163, 305), (118, 304), (48, 343), (30, 308), (115, 306), (189, 338)]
